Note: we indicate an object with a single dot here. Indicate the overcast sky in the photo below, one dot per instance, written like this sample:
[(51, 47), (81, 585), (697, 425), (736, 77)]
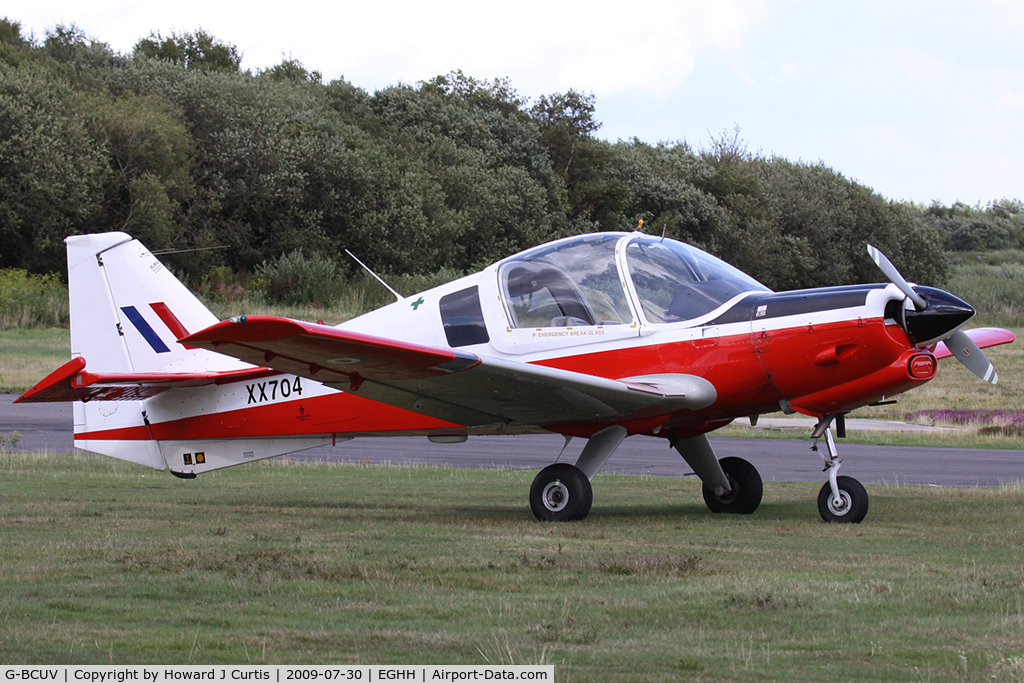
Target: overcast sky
[(918, 100)]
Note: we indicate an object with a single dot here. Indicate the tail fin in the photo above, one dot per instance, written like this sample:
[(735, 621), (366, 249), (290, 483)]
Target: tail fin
[(128, 310), (127, 315)]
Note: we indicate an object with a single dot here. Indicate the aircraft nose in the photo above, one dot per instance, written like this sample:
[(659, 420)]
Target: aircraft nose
[(944, 314)]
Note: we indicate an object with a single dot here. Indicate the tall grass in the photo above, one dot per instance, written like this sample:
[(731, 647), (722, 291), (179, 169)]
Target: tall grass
[(28, 300), (992, 282)]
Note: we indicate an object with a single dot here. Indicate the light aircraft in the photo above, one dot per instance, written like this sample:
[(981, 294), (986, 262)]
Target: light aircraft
[(599, 336)]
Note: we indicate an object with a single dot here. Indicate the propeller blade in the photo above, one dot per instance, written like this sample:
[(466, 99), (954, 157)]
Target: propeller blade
[(886, 266), (968, 353)]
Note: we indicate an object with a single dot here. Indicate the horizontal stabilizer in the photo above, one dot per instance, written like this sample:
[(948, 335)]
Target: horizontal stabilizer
[(70, 383)]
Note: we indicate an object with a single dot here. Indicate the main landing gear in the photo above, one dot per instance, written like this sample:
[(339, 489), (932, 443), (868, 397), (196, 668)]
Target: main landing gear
[(841, 499), (562, 492), (730, 484)]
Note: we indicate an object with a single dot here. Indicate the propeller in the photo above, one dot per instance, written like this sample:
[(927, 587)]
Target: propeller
[(956, 340), (886, 266)]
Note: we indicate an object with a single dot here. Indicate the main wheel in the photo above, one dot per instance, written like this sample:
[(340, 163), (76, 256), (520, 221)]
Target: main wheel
[(561, 493), (746, 492), (852, 506)]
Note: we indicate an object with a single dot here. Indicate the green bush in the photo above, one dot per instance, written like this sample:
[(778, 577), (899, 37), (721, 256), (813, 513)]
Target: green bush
[(992, 282), (32, 300), (294, 278)]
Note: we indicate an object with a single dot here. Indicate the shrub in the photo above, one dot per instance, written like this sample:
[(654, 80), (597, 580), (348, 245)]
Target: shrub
[(298, 279), (28, 300)]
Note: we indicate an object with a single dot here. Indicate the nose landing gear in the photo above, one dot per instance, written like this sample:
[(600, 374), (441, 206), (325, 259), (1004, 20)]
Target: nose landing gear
[(841, 499)]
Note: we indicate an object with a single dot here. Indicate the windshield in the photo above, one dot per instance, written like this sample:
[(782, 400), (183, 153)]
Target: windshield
[(567, 284), (677, 282)]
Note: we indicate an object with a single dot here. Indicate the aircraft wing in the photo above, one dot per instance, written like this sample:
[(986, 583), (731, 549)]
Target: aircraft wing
[(984, 337), (449, 384), (70, 382)]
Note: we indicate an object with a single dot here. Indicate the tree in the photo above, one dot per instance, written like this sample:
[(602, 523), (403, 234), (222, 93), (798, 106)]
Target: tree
[(497, 95), (196, 50), (52, 172), (292, 70), (151, 154), (10, 33), (662, 184), (1000, 225), (582, 163), (836, 217)]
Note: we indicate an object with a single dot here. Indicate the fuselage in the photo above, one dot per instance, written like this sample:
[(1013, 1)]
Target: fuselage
[(611, 305), (763, 351)]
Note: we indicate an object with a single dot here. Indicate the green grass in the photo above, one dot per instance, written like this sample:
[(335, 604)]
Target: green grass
[(993, 282), (28, 355), (106, 562)]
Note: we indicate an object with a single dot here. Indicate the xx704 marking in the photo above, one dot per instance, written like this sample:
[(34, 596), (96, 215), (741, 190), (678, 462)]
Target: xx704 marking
[(258, 392)]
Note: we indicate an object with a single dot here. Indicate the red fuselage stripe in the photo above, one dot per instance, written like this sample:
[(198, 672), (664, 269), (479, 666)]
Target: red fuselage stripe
[(339, 413), (752, 372)]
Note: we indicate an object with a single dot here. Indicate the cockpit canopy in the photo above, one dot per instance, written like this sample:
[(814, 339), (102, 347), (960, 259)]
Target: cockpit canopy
[(676, 282), (589, 280)]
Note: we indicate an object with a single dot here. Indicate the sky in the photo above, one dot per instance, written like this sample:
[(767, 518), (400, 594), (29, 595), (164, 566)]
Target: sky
[(920, 101)]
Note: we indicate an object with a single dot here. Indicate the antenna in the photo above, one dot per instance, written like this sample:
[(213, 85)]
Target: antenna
[(398, 296), (160, 252)]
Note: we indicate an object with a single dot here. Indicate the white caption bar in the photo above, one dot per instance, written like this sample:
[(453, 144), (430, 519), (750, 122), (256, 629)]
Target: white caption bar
[(147, 673)]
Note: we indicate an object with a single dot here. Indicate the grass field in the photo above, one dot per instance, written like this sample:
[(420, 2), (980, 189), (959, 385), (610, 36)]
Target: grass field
[(27, 355), (105, 562)]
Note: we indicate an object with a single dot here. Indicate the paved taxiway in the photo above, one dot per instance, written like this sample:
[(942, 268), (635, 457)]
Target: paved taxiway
[(47, 427)]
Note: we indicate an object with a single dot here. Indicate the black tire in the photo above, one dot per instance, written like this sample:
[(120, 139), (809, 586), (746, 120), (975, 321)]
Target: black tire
[(747, 488), (561, 493), (855, 502)]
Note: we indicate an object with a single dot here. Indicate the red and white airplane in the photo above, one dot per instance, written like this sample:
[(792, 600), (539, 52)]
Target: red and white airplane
[(599, 336)]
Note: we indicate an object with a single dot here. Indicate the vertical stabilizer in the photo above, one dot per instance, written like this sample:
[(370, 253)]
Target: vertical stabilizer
[(128, 310)]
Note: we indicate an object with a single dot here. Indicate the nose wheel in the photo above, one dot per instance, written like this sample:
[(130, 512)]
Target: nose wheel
[(841, 499), (851, 505)]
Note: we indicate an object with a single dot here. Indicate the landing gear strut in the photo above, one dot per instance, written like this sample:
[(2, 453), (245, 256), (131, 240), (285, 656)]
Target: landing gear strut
[(841, 499), (730, 484)]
